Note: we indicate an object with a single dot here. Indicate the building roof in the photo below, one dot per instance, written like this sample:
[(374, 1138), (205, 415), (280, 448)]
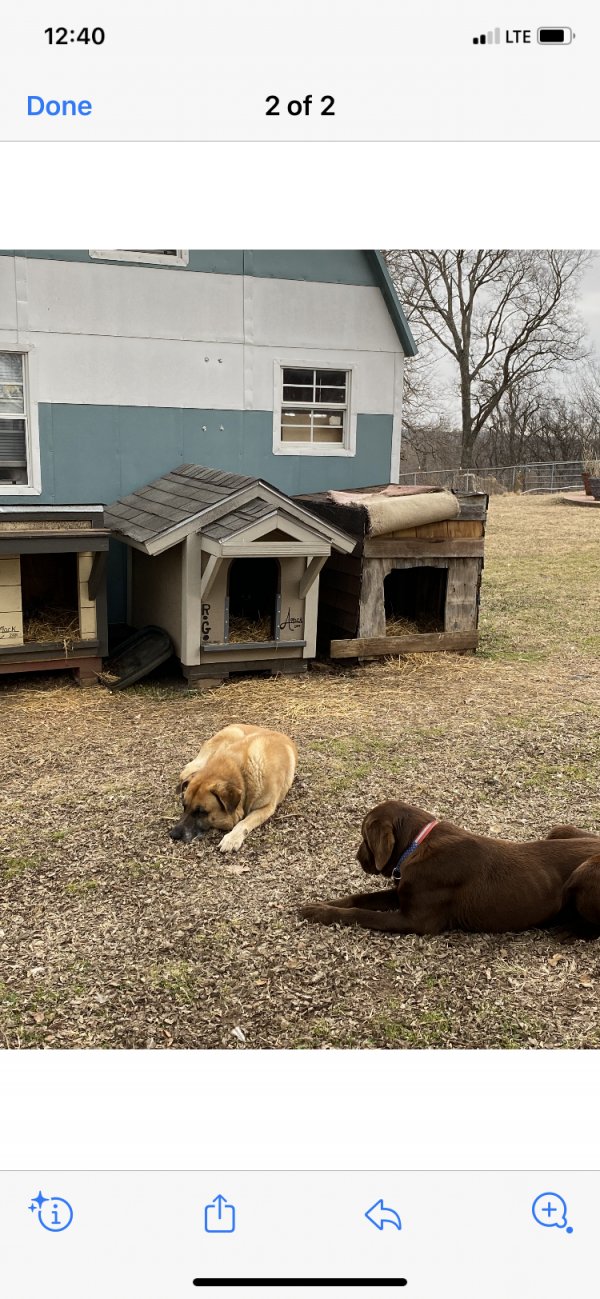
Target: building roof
[(193, 498), (392, 301)]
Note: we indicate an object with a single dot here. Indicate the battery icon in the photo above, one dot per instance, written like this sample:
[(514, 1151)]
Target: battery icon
[(555, 35)]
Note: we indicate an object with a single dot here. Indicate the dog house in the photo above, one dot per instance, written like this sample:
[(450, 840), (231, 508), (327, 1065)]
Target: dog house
[(229, 566), (53, 589), (414, 577)]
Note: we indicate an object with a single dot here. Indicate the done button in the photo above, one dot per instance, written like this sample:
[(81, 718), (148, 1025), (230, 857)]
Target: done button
[(36, 106)]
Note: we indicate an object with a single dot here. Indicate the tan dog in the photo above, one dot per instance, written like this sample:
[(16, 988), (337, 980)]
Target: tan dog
[(238, 779)]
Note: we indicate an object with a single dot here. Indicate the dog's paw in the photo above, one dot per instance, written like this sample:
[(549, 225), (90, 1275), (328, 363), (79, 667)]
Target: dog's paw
[(231, 842), (316, 911)]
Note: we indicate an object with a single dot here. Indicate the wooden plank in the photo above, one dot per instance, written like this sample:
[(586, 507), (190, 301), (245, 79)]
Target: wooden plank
[(329, 617), (465, 528), (341, 582), (372, 601), (214, 647), (312, 572), (97, 573), (403, 533), (462, 595), (344, 564), (337, 599), (382, 548), (43, 654), (433, 531), (51, 543), (378, 646), (209, 575)]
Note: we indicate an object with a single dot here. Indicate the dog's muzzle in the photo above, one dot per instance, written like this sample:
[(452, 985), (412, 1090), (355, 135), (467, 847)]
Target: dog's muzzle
[(185, 831)]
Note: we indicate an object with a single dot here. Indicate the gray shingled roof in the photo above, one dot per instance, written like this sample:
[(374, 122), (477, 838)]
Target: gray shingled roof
[(180, 495), (235, 520), (191, 492)]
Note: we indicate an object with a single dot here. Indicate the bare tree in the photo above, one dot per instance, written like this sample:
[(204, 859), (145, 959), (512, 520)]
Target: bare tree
[(505, 316), (532, 422)]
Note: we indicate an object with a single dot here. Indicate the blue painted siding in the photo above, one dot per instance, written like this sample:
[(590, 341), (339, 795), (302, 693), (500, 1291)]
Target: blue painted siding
[(95, 454), (98, 453), (335, 266)]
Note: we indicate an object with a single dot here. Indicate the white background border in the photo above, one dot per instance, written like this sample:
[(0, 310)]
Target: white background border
[(241, 1109)]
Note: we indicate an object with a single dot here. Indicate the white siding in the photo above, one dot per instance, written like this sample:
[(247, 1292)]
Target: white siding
[(138, 336)]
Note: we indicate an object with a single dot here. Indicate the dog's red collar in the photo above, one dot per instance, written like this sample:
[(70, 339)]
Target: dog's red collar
[(396, 873)]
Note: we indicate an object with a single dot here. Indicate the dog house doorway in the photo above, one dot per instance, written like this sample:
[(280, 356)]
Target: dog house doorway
[(253, 599), (49, 590), (415, 599)]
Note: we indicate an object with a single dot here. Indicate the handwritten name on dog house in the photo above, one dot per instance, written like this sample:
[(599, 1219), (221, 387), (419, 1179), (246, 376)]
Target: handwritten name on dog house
[(229, 566)]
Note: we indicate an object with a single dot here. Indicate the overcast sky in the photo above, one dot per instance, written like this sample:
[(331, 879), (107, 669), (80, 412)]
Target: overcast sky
[(590, 302)]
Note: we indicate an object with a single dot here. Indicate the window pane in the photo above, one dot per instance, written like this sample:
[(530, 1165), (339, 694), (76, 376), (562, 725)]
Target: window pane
[(295, 426), (11, 399), (12, 443), (331, 385), (298, 385), (329, 429), (11, 367), (15, 476)]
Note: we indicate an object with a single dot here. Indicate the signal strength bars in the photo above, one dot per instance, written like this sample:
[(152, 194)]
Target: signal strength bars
[(491, 38)]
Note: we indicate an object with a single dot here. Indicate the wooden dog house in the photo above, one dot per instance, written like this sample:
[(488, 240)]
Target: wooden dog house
[(404, 588), (229, 566), (53, 589)]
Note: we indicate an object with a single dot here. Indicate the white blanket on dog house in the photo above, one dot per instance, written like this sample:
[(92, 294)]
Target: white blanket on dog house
[(389, 512)]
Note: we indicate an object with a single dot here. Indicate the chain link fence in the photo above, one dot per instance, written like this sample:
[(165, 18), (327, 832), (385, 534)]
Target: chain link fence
[(546, 476)]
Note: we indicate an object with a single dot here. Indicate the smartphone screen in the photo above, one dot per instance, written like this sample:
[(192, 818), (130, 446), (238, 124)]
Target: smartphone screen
[(299, 643)]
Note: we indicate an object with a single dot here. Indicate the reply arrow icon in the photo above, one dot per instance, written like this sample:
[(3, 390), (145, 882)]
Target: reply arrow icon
[(379, 1214)]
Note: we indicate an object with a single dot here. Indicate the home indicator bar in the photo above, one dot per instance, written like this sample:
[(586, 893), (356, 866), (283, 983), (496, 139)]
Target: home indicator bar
[(304, 1281)]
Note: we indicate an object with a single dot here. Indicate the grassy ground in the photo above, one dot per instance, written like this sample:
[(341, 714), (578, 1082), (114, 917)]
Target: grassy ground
[(113, 936)]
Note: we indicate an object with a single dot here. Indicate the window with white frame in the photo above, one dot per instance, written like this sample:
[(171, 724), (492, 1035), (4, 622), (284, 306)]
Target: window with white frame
[(147, 256), (314, 407), (13, 419)]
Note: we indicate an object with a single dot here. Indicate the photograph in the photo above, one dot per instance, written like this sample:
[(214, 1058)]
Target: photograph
[(299, 643)]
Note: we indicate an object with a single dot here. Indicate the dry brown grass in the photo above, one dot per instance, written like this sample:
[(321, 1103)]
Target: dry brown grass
[(51, 624), (247, 630), (111, 935)]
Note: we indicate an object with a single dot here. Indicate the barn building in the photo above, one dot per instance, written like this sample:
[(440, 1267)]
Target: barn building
[(118, 365)]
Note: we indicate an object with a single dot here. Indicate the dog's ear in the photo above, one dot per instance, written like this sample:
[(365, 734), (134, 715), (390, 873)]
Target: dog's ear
[(227, 793), (381, 842)]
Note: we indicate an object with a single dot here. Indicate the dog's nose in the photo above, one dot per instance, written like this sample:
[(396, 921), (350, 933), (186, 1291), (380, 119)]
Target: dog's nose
[(176, 832)]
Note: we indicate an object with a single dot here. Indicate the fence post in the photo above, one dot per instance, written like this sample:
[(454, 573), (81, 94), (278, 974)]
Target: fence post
[(514, 477), (552, 478)]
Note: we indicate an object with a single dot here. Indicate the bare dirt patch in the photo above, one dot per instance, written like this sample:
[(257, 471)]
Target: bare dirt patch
[(113, 936)]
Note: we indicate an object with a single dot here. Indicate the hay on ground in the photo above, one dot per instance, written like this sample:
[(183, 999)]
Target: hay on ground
[(242, 630), (395, 626), (51, 624)]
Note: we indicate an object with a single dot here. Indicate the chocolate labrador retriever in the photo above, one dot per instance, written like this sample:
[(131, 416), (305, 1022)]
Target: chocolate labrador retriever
[(444, 878)]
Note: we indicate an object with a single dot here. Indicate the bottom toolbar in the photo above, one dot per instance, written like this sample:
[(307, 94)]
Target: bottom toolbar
[(82, 1235)]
